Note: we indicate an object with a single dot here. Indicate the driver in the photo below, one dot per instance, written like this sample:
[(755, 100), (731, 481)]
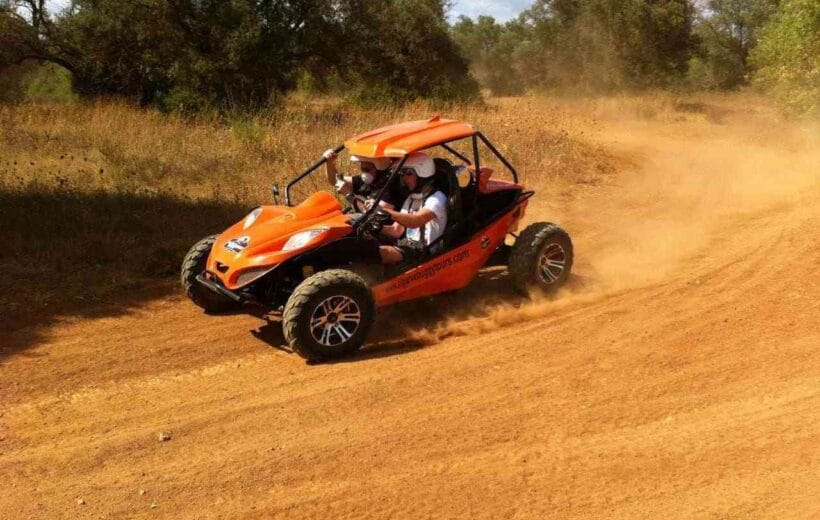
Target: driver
[(374, 173), (423, 215)]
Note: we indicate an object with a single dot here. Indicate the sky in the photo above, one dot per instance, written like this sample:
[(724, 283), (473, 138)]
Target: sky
[(500, 10)]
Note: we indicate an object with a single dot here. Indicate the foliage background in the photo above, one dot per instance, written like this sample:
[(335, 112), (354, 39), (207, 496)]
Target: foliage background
[(194, 56), (787, 57)]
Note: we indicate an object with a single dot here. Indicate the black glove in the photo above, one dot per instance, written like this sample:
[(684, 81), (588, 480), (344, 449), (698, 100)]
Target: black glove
[(383, 217)]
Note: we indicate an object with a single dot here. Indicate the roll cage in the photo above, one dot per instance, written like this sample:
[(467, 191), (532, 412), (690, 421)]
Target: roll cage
[(475, 163)]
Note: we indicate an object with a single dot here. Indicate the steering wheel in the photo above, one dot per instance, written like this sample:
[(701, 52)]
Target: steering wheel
[(357, 202), (374, 223)]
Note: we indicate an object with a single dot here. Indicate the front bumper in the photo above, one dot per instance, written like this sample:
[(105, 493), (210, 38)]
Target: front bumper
[(218, 288)]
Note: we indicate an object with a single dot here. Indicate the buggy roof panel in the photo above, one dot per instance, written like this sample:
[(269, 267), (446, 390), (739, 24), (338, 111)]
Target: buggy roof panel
[(403, 138)]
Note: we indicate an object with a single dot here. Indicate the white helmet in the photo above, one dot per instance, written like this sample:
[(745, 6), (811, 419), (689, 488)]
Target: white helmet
[(381, 163), (421, 163)]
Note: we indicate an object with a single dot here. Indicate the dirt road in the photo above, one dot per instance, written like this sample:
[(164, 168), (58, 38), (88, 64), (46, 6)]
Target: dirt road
[(677, 377)]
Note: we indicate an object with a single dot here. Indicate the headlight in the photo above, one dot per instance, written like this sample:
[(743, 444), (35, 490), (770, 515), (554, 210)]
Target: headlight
[(301, 239), (251, 218), (246, 277)]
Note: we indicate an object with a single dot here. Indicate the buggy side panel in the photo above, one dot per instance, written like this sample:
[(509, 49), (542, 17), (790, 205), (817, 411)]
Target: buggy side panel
[(452, 269)]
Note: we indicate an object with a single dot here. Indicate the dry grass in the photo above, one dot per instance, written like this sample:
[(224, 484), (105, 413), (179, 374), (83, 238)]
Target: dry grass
[(99, 201), (117, 148)]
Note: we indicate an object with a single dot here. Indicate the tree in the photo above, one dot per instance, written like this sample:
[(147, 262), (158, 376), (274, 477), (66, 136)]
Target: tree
[(787, 57), (402, 49), (26, 31), (728, 30), (629, 43), (238, 52), (242, 52), (593, 45), (491, 50)]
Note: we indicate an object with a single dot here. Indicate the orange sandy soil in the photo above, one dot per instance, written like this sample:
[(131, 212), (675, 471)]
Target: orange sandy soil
[(677, 376)]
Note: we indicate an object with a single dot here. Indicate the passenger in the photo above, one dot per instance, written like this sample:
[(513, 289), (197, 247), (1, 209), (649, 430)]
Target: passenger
[(423, 215), (362, 188)]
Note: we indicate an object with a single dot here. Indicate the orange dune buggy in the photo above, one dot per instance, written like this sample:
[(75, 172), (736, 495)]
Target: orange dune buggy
[(320, 263)]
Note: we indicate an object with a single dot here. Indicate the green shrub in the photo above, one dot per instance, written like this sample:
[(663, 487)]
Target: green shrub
[(185, 102), (36, 82), (788, 57), (50, 82)]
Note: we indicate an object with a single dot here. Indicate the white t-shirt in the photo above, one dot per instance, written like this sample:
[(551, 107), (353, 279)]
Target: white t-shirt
[(437, 203)]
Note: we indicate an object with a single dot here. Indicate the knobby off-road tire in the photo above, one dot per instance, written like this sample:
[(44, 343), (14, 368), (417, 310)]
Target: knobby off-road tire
[(193, 265), (541, 258), (329, 315)]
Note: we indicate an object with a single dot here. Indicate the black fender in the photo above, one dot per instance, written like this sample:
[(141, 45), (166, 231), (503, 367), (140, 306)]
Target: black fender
[(347, 250), (339, 253)]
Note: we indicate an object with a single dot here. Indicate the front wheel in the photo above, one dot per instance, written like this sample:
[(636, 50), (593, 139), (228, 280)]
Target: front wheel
[(541, 258), (192, 266), (329, 315)]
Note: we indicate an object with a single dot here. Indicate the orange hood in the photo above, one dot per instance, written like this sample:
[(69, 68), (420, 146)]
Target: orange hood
[(241, 254)]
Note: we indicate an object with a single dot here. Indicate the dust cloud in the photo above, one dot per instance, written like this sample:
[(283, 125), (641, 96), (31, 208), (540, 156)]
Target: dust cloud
[(686, 179)]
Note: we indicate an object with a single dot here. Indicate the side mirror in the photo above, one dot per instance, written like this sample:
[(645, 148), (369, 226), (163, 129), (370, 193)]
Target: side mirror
[(275, 190)]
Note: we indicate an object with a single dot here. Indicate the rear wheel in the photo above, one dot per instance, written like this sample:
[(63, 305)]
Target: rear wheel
[(541, 258), (329, 315), (193, 265)]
